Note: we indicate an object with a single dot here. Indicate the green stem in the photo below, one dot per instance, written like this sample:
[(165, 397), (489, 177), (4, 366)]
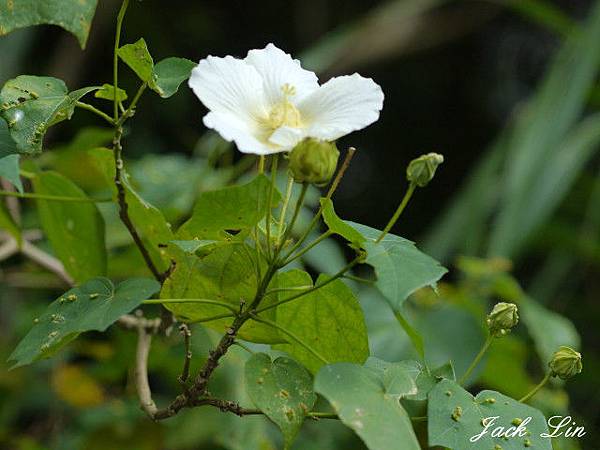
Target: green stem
[(274, 162), (120, 18), (537, 388), (396, 216), (57, 198), (359, 279), (314, 288), (129, 111), (290, 227), (213, 318), (309, 247), (96, 111), (332, 189), (291, 335), (203, 301), (287, 289), (484, 349), (261, 164), (245, 347), (286, 201)]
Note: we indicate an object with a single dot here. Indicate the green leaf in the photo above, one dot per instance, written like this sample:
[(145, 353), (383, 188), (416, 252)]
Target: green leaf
[(75, 229), (454, 416), (339, 226), (282, 389), (94, 305), (362, 402), (107, 92), (8, 224), (397, 381), (138, 58), (233, 209), (329, 320), (548, 329), (7, 144), (149, 222), (400, 267), (74, 16), (228, 274), (9, 169), (198, 247), (30, 105), (422, 378), (170, 73)]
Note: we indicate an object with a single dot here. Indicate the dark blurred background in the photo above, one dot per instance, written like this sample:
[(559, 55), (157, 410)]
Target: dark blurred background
[(456, 75)]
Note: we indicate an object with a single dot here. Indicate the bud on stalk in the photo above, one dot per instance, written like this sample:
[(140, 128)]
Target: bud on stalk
[(313, 161)]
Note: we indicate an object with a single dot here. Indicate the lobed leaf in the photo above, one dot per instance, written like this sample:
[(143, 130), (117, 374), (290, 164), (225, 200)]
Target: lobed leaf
[(400, 267), (30, 105), (455, 416), (282, 389), (360, 398), (73, 16), (329, 320), (94, 305)]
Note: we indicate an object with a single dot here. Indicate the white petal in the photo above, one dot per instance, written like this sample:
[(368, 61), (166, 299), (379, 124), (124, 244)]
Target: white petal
[(340, 106), (231, 128), (286, 138), (278, 68), (229, 85)]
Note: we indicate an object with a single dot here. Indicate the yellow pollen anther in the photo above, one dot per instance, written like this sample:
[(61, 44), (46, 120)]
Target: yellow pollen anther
[(284, 113)]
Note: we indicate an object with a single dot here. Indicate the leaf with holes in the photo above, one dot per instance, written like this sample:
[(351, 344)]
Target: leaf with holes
[(360, 398), (75, 229), (30, 105), (73, 16), (329, 320), (282, 389), (94, 305), (455, 417)]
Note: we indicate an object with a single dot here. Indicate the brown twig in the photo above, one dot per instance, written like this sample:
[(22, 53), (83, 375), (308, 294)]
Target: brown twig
[(187, 335), (124, 208)]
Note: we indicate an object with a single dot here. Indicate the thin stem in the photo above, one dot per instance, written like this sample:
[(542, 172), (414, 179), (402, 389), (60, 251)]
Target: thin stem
[(274, 162), (187, 342), (120, 18), (129, 111), (291, 335), (261, 164), (287, 289), (245, 347), (96, 111), (359, 279), (213, 318), (308, 248), (290, 227), (536, 388), (203, 301), (141, 372), (396, 216), (332, 189), (314, 288), (57, 198), (484, 349), (288, 195)]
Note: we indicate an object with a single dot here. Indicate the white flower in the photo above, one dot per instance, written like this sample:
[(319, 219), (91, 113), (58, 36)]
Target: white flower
[(266, 103)]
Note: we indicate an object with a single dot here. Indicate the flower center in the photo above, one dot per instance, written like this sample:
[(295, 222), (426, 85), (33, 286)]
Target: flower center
[(284, 113)]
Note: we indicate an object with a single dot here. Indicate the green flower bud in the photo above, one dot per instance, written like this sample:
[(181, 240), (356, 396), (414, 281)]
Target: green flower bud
[(313, 161), (566, 363), (421, 170), (503, 317)]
